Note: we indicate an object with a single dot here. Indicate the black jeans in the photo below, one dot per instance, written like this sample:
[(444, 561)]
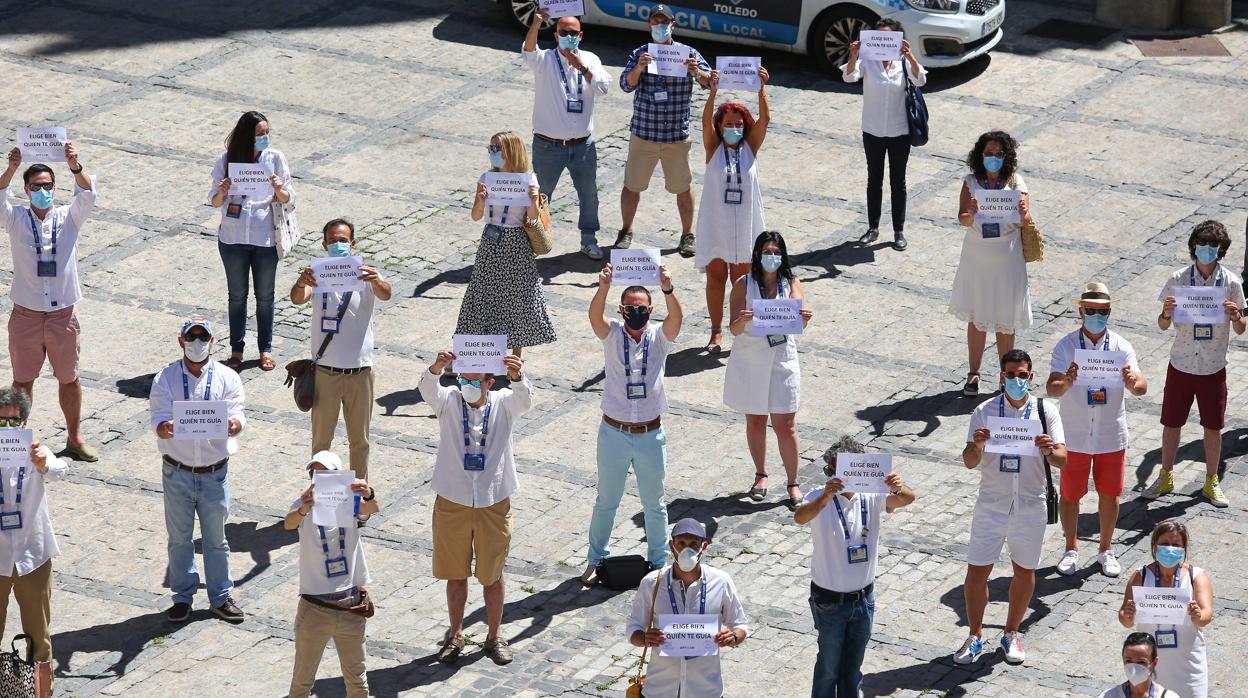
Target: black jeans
[(898, 150)]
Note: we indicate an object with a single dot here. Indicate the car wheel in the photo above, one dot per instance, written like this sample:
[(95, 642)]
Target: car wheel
[(520, 12), (834, 32)]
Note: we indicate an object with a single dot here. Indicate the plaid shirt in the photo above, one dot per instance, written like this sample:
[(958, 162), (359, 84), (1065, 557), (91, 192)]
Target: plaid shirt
[(660, 122)]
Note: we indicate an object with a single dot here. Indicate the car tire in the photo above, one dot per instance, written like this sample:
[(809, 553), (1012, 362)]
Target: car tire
[(832, 33), (520, 13)]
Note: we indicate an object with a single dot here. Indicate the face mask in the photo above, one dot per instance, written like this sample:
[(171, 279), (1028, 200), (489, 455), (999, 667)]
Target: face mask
[(197, 351), (569, 43), (661, 33), (688, 559), (1205, 254), (339, 249), (471, 392), (636, 318), (1169, 555), (733, 135), (41, 198), (1095, 323), (993, 164), (771, 262), (1016, 388), (497, 161), (262, 143), (1136, 673)]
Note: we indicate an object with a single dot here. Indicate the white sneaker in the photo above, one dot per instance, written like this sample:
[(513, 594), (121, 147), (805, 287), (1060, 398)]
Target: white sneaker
[(592, 250), (1069, 562), (969, 651), (1109, 564), (1013, 648)]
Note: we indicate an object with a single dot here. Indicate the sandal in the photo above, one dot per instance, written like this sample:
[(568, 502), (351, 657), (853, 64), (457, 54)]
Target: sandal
[(757, 493), (971, 389), (266, 361), (235, 362), (713, 347), (791, 502)]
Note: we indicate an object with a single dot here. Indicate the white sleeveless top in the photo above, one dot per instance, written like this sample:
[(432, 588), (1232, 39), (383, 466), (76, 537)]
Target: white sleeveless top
[(1183, 669), (727, 231)]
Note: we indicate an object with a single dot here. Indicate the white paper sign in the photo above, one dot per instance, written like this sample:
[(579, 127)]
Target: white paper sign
[(507, 188), (739, 72), (688, 635), (776, 316), (669, 60), (879, 45), (45, 144), (864, 472), (333, 503), (1013, 436), (479, 353), (1162, 606), (563, 8), (250, 180), (337, 274), (1199, 304), (15, 447), (634, 267), (1098, 369), (201, 419), (998, 206)]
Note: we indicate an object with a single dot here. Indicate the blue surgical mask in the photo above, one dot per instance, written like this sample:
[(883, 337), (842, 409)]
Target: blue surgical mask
[(339, 249), (497, 160), (262, 143), (1016, 388), (661, 32), (771, 262), (1170, 555), (733, 135), (993, 164), (569, 43), (1205, 254), (1095, 323), (41, 199)]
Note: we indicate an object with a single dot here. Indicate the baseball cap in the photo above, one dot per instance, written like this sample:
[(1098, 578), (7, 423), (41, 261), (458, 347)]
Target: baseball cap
[(197, 321), (664, 10), (329, 459), (689, 527)]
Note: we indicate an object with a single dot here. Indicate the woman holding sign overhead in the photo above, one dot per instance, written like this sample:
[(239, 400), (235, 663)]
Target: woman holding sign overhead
[(1182, 666), (245, 237), (763, 376), (504, 295), (730, 216)]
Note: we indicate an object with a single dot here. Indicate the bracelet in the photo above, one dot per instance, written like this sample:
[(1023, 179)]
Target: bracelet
[(667, 292), (299, 511), (1163, 316), (372, 494), (77, 171)]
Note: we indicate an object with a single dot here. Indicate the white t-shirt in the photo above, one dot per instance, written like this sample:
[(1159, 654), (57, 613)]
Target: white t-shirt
[(313, 576), (353, 346), (1120, 692), (506, 216), (830, 567), (1093, 428), (617, 345), (1202, 357), (1007, 492)]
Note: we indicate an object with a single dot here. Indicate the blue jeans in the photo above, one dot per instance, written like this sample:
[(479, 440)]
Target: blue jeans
[(844, 630), (261, 263), (647, 454), (581, 161), (207, 495)]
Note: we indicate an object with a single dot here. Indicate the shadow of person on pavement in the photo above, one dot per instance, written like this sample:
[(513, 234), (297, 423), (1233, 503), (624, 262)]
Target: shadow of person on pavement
[(126, 638), (925, 408), (247, 537)]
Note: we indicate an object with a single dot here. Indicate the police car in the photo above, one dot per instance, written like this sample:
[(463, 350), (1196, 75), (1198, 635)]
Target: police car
[(941, 32)]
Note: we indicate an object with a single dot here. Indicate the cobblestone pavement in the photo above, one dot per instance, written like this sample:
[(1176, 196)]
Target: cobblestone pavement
[(382, 108)]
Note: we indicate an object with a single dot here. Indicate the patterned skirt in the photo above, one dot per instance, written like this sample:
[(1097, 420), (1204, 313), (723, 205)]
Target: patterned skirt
[(505, 293)]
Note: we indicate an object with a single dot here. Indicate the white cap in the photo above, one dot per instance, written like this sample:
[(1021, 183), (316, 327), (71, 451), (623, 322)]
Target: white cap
[(328, 459)]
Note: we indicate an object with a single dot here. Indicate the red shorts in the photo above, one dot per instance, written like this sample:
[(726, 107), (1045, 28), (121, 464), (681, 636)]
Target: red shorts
[(1208, 391), (1109, 470), (35, 335)]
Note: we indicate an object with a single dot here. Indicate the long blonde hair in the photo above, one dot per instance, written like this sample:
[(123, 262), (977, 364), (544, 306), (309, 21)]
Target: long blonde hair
[(515, 155)]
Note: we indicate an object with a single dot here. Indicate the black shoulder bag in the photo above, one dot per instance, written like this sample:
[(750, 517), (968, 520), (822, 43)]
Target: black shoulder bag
[(1050, 494), (301, 373), (916, 109)]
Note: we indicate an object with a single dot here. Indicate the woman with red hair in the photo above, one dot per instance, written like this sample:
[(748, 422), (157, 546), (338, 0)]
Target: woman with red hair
[(730, 216)]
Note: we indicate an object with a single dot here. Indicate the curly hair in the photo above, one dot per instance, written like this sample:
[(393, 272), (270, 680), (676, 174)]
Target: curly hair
[(1210, 233), (1009, 150)]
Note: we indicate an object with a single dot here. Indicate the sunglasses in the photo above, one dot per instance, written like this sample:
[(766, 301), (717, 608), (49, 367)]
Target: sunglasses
[(634, 308), (1018, 374), (11, 421), (465, 381), (197, 337), (491, 148), (1096, 311), (46, 186), (569, 32)]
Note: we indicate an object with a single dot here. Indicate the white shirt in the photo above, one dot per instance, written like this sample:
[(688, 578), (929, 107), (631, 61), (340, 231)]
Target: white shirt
[(1120, 692), (352, 347), (168, 387), (1094, 428), (829, 565), (254, 223), (484, 488), (507, 216), (615, 402), (314, 579), (45, 293), (29, 547), (884, 95), (692, 677), (1205, 356), (550, 104), (1010, 492)]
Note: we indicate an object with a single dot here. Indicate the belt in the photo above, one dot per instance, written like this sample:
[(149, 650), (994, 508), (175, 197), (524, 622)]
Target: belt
[(347, 371), (828, 596), (59, 311), (561, 141), (197, 470), (634, 428)]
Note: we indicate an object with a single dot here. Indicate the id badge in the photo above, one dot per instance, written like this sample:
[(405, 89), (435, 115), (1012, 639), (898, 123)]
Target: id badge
[(857, 553), (493, 233), (46, 268), (991, 230), (660, 96), (474, 462), (329, 325), (10, 520), (576, 106), (775, 340), (1167, 639), (1011, 464), (732, 196), (1096, 396), (336, 567), (233, 210), (1202, 333), (636, 391)]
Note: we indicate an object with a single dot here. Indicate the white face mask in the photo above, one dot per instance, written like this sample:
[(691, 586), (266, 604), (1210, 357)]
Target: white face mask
[(197, 351), (470, 392), (688, 559), (1136, 673)]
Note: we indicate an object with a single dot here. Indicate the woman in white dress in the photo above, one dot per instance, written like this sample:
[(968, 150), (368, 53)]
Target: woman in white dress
[(730, 215), (990, 288), (763, 377), (1139, 663), (1182, 665)]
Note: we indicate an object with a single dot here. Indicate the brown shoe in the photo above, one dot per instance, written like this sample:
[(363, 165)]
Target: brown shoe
[(498, 651), (452, 647), (82, 451)]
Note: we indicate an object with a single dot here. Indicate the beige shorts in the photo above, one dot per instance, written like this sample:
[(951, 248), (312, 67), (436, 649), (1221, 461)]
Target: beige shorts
[(36, 335), (460, 531), (643, 155)]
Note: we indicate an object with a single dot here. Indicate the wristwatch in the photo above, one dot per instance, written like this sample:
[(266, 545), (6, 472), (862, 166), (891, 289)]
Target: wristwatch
[(372, 494), (77, 171), (667, 291)]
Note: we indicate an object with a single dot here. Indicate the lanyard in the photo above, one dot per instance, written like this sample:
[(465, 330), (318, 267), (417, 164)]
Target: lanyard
[(342, 541), (985, 185), (503, 220), (782, 289), (37, 230), (1001, 406), (645, 355), (186, 386), (1104, 347), (1178, 578), (346, 298), (671, 595), (563, 76), (862, 506), (21, 479), (1191, 272), (732, 163), (485, 422)]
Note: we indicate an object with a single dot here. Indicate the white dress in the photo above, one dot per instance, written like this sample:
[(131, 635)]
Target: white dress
[(990, 287), (727, 231), (762, 379), (1183, 669)]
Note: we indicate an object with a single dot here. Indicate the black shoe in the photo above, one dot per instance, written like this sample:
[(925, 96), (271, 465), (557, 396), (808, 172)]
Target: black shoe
[(899, 241), (229, 612), (624, 239), (452, 647), (869, 237), (971, 388), (688, 247), (179, 613)]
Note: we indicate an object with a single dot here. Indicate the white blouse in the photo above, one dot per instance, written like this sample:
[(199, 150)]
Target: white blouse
[(884, 95), (250, 222)]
